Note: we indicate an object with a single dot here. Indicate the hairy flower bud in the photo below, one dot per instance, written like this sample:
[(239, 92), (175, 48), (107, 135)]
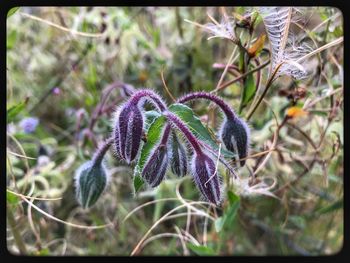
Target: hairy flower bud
[(90, 181), (206, 178), (178, 160), (156, 166), (157, 163), (128, 131), (235, 135)]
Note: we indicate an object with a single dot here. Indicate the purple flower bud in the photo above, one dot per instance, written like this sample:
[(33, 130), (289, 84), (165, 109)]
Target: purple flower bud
[(156, 165), (29, 124), (235, 135), (128, 131), (178, 160), (206, 178)]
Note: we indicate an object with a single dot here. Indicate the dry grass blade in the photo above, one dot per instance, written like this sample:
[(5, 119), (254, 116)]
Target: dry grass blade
[(34, 198), (331, 44), (62, 221), (73, 32), (20, 155), (136, 249)]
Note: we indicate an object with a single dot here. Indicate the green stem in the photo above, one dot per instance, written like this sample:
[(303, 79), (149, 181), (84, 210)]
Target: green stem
[(16, 235)]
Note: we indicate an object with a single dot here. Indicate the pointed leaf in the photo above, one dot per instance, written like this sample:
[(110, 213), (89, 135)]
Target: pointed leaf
[(197, 128), (248, 92), (153, 136), (201, 250), (258, 45), (12, 11)]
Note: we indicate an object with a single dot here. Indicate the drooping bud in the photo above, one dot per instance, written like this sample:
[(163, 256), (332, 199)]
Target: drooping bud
[(178, 159), (90, 182), (157, 163), (128, 131), (206, 178), (235, 135)]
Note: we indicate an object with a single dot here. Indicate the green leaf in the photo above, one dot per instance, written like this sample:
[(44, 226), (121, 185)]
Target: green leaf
[(298, 221), (13, 111), (197, 128), (12, 11), (248, 92), (12, 198), (233, 198), (138, 183), (230, 213), (150, 117), (201, 250), (335, 206), (219, 223), (153, 136), (11, 39)]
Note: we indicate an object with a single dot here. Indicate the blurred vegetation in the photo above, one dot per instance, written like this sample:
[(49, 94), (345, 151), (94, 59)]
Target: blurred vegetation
[(67, 66)]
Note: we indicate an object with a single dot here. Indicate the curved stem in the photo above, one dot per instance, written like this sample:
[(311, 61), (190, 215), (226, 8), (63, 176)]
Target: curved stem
[(100, 153), (183, 128), (204, 95), (138, 95)]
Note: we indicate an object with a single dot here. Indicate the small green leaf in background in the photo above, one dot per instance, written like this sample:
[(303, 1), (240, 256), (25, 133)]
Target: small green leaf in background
[(11, 198), (153, 136), (248, 92), (195, 125), (11, 39), (335, 206), (12, 11), (201, 250), (13, 111), (297, 221), (230, 213)]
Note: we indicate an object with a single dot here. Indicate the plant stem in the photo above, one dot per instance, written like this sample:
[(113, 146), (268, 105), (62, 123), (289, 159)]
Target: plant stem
[(183, 128), (268, 85), (241, 76), (137, 96), (100, 153), (209, 96), (16, 235)]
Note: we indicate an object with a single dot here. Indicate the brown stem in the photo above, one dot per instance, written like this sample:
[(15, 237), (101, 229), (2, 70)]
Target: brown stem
[(268, 85)]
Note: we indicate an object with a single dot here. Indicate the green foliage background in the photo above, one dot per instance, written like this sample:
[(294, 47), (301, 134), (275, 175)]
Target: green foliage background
[(134, 45)]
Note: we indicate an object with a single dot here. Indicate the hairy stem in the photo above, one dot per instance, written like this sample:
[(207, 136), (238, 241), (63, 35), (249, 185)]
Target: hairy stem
[(137, 96), (204, 95), (100, 153), (183, 128)]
